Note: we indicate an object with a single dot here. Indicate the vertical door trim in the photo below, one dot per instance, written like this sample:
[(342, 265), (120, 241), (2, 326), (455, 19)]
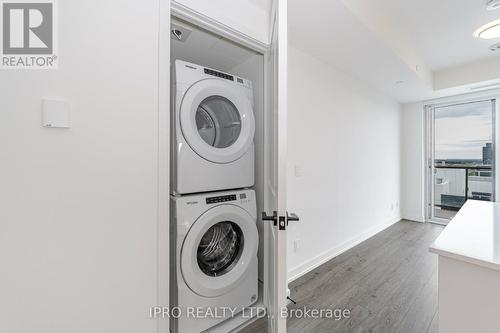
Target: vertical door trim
[(428, 162), (163, 172), (280, 70), (494, 148)]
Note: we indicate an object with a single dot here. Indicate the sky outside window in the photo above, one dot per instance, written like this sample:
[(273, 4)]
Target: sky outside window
[(462, 130)]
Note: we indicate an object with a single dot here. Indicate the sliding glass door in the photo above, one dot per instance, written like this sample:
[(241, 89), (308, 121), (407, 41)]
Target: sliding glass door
[(461, 157)]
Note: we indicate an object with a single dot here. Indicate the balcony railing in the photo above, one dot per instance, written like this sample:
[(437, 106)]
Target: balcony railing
[(454, 184)]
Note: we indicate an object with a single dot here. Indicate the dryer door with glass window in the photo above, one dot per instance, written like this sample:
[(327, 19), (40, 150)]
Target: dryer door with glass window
[(217, 120), (218, 249)]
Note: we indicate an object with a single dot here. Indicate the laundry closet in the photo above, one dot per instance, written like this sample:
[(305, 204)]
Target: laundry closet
[(228, 143), (217, 179)]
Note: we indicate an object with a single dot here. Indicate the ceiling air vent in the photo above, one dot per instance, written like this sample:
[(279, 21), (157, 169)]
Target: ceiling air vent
[(493, 5), (179, 33), (495, 47)]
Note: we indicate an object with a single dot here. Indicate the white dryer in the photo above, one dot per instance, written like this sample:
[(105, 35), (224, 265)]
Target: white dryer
[(214, 243), (213, 128)]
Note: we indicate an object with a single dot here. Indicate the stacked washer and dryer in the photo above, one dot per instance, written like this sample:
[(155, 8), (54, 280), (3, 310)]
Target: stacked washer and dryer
[(214, 238)]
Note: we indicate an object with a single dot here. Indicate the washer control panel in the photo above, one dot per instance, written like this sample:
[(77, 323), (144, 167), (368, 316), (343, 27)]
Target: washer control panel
[(222, 198), (219, 74), (197, 204)]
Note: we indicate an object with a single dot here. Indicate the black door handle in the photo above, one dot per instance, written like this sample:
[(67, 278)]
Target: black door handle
[(291, 217), (273, 218)]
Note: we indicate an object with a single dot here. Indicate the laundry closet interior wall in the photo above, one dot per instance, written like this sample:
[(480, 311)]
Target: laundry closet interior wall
[(204, 48)]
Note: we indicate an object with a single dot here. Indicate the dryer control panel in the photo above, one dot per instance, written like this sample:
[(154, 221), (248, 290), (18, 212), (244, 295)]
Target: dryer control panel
[(237, 80)]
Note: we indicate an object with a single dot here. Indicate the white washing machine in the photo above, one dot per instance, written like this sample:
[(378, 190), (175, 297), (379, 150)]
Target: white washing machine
[(213, 127), (214, 242)]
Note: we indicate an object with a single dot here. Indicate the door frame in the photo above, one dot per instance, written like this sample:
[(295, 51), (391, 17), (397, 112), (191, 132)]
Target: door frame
[(187, 14), (429, 108), (179, 11)]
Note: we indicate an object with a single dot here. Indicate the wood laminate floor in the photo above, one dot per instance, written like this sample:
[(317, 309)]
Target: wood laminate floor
[(389, 284)]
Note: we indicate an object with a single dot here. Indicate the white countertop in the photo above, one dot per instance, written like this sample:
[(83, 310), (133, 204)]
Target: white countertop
[(473, 235)]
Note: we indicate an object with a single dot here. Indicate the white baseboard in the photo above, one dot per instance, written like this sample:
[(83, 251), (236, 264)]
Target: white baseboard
[(412, 217), (317, 261)]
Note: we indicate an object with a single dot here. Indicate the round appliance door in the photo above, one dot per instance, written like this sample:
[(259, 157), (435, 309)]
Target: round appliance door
[(218, 250), (217, 120)]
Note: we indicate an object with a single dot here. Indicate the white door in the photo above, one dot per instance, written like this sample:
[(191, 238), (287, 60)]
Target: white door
[(275, 272)]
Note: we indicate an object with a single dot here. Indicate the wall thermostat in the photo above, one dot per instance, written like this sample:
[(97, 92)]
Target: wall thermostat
[(56, 113)]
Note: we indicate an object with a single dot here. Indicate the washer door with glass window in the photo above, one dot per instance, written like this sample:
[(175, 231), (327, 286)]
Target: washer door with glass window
[(218, 250), (217, 120)]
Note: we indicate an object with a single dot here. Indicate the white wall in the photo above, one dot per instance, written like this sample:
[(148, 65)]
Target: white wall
[(254, 23), (79, 225), (344, 143), (413, 162)]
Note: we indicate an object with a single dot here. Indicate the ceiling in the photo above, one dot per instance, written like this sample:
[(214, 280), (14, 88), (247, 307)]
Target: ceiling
[(439, 30), (382, 42)]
